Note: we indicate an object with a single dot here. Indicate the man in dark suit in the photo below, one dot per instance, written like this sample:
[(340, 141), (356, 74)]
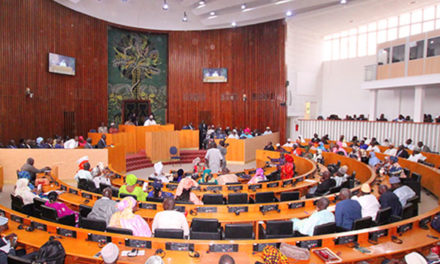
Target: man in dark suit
[(102, 143), (202, 133)]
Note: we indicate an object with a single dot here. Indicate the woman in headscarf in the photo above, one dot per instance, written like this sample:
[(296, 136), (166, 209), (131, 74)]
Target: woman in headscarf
[(62, 209), (373, 161), (207, 177), (183, 191), (125, 218), (22, 189), (81, 141), (259, 176), (158, 173), (321, 147), (288, 169), (130, 188)]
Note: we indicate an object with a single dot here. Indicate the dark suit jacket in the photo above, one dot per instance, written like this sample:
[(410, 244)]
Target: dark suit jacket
[(101, 144)]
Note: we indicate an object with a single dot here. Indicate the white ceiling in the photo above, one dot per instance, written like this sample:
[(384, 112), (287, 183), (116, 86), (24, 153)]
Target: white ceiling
[(319, 16)]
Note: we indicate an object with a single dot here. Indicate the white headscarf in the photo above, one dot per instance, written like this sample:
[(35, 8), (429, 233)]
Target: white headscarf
[(21, 187), (158, 168)]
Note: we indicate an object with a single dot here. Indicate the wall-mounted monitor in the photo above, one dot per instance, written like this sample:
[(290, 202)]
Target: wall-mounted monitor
[(61, 64), (215, 75)]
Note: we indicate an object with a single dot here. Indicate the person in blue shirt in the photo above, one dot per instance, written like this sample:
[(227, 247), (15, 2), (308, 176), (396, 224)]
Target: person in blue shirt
[(347, 210), (157, 191), (321, 216)]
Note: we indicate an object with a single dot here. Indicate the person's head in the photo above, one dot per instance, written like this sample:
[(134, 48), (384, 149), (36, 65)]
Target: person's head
[(86, 166), (222, 143), (130, 179), (30, 161), (383, 189), (322, 203), (394, 182), (102, 123), (22, 183), (408, 141), (3, 224), (168, 203), (107, 192), (420, 144), (151, 117), (226, 259), (52, 196), (342, 170), (325, 175), (89, 140), (180, 172), (127, 203), (401, 147), (154, 260), (365, 188), (110, 253), (269, 143), (344, 194)]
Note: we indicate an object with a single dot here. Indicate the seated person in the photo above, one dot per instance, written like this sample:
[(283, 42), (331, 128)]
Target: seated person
[(416, 156), (403, 192), (227, 177), (288, 169), (391, 150), (395, 170), (26, 175), (246, 134), (169, 218), (157, 191), (368, 201), (178, 177), (373, 161), (125, 218), (22, 189), (347, 210), (259, 176), (321, 216), (402, 152), (101, 175), (269, 146), (183, 191), (130, 188), (158, 173), (207, 177), (6, 242), (110, 253), (324, 186), (29, 167), (84, 173), (197, 165), (62, 209), (389, 199), (103, 208), (288, 143), (340, 176)]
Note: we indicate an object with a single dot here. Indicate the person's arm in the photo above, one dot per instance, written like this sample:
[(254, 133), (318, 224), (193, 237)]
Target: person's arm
[(184, 226), (155, 222), (338, 216)]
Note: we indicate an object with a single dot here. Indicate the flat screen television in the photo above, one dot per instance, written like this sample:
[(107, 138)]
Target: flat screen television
[(61, 64), (215, 75)]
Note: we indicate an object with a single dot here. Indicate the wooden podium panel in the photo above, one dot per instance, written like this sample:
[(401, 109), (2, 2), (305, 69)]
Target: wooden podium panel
[(116, 157), (1, 178), (158, 143), (141, 130), (189, 139)]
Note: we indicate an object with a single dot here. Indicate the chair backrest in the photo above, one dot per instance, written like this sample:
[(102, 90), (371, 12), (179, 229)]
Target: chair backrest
[(16, 203), (155, 199), (407, 211), (239, 231), (102, 186), (67, 220), (279, 227), (123, 195), (38, 202), (17, 260), (99, 225), (204, 225), (328, 228), (119, 230), (383, 216), (407, 172), (289, 196), (49, 213), (84, 210), (238, 198), (416, 177), (168, 233), (364, 222), (212, 199), (264, 197), (335, 189)]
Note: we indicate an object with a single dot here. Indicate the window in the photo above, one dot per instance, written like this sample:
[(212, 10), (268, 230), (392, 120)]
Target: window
[(433, 47), (398, 53), (383, 56), (416, 50)]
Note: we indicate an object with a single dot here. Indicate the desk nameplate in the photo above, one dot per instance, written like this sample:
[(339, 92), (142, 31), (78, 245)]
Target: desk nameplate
[(259, 247), (404, 228), (137, 243), (223, 248), (66, 232), (39, 226), (99, 238), (206, 209), (235, 209), (149, 206), (17, 219), (179, 246), (309, 243)]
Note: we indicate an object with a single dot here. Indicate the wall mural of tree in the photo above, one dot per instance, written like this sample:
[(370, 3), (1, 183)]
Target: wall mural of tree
[(137, 69)]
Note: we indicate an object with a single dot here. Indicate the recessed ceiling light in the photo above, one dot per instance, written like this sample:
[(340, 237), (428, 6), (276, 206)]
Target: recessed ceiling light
[(202, 2), (343, 2), (243, 6), (185, 17), (289, 13), (234, 24), (212, 13), (165, 5)]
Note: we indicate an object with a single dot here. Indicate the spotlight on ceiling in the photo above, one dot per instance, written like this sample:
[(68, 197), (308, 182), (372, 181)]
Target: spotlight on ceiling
[(165, 5), (234, 24), (243, 6), (185, 17), (343, 2), (289, 13), (202, 2), (212, 13)]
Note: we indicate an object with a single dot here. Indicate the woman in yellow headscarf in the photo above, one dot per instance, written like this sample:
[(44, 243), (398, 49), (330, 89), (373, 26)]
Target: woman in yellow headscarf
[(125, 218), (130, 188)]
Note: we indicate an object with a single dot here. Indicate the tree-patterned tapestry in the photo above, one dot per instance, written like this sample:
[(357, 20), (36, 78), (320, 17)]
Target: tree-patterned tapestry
[(137, 70)]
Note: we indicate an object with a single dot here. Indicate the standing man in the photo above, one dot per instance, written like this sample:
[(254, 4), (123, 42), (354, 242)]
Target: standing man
[(29, 167), (214, 158), (102, 142), (223, 150), (150, 121), (102, 128), (202, 133)]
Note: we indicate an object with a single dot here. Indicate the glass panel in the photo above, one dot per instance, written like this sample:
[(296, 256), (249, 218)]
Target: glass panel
[(428, 26), (382, 24), (362, 45), (404, 19), (398, 53), (344, 33), (392, 22), (335, 49), (438, 11), (437, 24), (372, 26), (327, 50), (383, 56), (352, 31), (372, 43), (416, 16), (429, 13), (344, 48), (416, 29), (382, 36), (352, 47), (404, 31), (392, 34), (433, 47), (416, 49), (328, 37), (362, 29)]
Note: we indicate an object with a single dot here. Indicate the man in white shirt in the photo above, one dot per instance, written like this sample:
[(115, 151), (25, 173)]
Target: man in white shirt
[(267, 131), (103, 128), (214, 158), (391, 150), (320, 216), (408, 144), (169, 218), (234, 134), (416, 156), (101, 175), (84, 173), (369, 203), (158, 173), (6, 245), (403, 192), (288, 143), (374, 147), (150, 121), (341, 175)]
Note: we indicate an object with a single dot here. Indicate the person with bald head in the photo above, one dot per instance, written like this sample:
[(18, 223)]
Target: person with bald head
[(29, 167), (389, 199), (320, 216), (170, 218), (347, 210), (104, 208), (326, 183), (226, 259)]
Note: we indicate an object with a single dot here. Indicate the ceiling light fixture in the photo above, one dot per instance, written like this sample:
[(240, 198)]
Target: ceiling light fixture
[(289, 13), (165, 5), (234, 24), (202, 2), (185, 17), (343, 2), (243, 6), (212, 13)]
